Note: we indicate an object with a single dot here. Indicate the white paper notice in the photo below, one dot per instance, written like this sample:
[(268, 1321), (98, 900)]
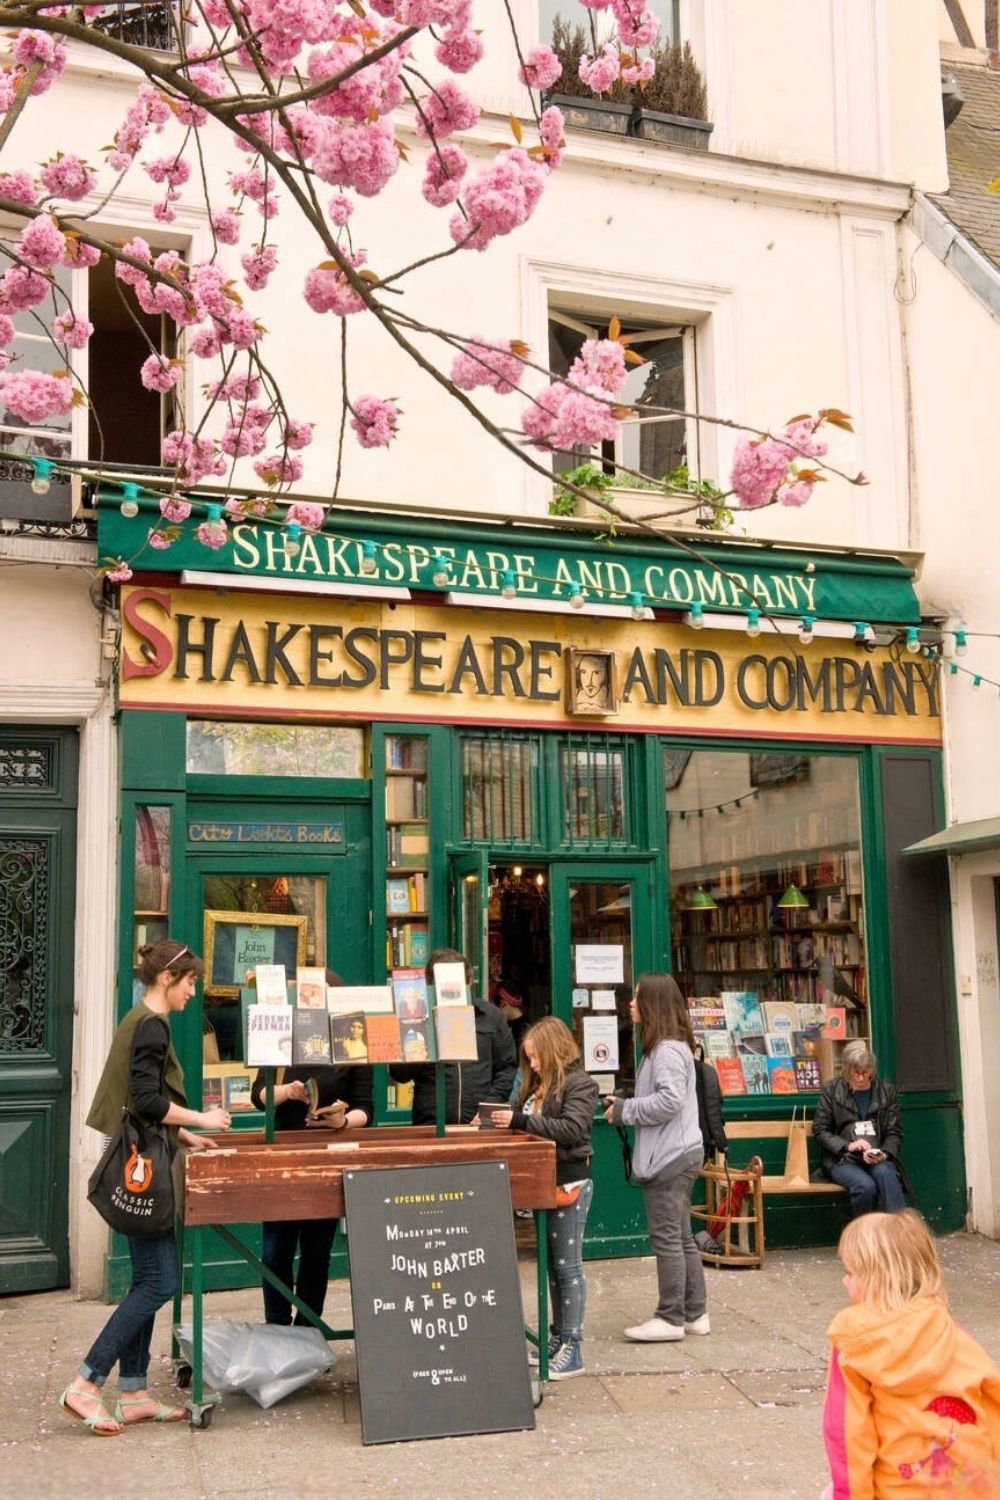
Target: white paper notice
[(600, 1043), (581, 999), (600, 963), (603, 1000)]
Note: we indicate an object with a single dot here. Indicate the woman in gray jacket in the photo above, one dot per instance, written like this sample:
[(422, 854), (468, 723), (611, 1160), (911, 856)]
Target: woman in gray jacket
[(667, 1156)]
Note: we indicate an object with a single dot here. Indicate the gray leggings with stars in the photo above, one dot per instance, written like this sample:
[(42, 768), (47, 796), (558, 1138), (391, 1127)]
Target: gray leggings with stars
[(567, 1282)]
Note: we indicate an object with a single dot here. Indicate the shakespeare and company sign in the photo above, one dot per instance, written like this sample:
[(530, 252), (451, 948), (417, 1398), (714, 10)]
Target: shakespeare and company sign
[(275, 656)]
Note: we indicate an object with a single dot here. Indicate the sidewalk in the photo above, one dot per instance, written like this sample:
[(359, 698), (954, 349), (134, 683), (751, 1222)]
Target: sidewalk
[(736, 1414)]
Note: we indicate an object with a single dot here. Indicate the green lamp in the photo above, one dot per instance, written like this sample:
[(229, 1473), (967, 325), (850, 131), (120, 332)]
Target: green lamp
[(792, 899), (701, 900)]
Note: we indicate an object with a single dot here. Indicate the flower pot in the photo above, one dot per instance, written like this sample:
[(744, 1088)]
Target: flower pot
[(592, 114), (666, 511), (671, 130)]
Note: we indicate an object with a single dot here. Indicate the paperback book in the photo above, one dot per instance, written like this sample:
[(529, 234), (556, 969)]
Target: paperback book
[(781, 1075), (236, 1091), (397, 895), (718, 1044), (269, 1036), (385, 1044), (347, 1038), (835, 1023), (409, 994), (450, 986), (270, 984), (807, 1073), (780, 1015), (348, 999), (418, 1042), (311, 1038), (756, 1074), (456, 1030), (731, 1079), (310, 989), (778, 1044), (742, 1011)]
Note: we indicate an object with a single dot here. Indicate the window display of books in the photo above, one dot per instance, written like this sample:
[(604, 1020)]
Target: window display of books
[(768, 1046)]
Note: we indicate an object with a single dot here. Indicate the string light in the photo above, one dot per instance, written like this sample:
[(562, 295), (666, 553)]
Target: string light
[(42, 480), (577, 597), (368, 563), (753, 620), (640, 609), (695, 616), (509, 588), (441, 577), (130, 501), (860, 632), (293, 538), (977, 681), (912, 639), (961, 643), (806, 629)]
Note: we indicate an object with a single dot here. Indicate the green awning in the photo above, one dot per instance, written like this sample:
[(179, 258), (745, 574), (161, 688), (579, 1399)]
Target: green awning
[(960, 838)]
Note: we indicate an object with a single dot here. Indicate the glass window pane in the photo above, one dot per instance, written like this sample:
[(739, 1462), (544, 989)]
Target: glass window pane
[(499, 788), (767, 911), (600, 912), (667, 10), (275, 749), (152, 877), (594, 792)]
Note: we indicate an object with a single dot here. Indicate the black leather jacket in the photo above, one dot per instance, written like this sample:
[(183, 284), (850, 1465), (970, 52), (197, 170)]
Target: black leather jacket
[(837, 1111), (565, 1118)]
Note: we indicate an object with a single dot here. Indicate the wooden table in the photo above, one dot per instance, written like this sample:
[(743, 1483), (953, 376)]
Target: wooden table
[(300, 1175)]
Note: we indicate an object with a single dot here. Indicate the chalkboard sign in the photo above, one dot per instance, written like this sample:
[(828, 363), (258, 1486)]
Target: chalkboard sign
[(438, 1324)]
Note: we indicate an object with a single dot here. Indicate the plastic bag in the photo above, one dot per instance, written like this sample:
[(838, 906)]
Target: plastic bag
[(266, 1360)]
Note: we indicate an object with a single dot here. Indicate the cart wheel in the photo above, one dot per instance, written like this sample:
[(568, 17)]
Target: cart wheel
[(201, 1416), (182, 1375), (537, 1393)]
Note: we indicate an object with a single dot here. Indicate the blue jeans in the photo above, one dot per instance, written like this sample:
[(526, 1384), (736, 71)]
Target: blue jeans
[(879, 1186), (313, 1238), (680, 1275), (567, 1282), (125, 1337)]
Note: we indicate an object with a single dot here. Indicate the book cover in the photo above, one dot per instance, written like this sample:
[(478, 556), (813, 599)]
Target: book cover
[(397, 895), (835, 1023), (347, 1038), (718, 1044), (420, 947), (449, 983), (456, 1029), (742, 1011), (311, 1038), (781, 1075), (269, 1036), (778, 1044), (731, 1079), (750, 1042), (211, 1093), (804, 1042), (236, 1091), (384, 1039), (807, 1073), (310, 989), (755, 1073), (269, 982), (707, 1014), (810, 1015), (348, 999), (418, 1042), (780, 1015), (409, 994)]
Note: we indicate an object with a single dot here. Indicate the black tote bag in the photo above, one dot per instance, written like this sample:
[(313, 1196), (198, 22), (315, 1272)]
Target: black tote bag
[(131, 1186)]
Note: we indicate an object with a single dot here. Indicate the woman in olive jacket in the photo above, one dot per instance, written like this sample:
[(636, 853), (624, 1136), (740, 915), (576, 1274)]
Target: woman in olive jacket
[(858, 1130)]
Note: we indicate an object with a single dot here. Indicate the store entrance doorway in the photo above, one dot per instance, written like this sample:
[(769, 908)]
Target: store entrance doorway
[(519, 960)]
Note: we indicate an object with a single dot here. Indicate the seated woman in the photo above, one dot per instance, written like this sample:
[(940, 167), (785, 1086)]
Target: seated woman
[(857, 1126)]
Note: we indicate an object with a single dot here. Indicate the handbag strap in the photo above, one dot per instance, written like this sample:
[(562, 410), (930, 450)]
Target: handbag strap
[(626, 1151)]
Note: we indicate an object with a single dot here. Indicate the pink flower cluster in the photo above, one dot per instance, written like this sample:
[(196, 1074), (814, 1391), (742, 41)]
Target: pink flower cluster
[(443, 175), (486, 362), (72, 330), (600, 72), (307, 513), (34, 396), (540, 69), (374, 421), (68, 177), (258, 264), (763, 470), (499, 199), (160, 374), (578, 413)]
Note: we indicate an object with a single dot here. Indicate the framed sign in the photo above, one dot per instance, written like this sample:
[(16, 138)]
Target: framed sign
[(236, 941), (591, 688)]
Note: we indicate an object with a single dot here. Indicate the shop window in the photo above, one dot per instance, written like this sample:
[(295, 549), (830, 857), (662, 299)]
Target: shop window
[(152, 878), (223, 749), (500, 788), (767, 912), (596, 784)]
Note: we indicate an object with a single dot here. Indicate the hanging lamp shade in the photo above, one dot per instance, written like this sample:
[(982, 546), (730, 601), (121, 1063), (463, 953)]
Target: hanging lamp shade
[(701, 900), (792, 899)]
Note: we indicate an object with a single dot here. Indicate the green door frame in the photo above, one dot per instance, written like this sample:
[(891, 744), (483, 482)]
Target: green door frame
[(465, 867), (635, 870)]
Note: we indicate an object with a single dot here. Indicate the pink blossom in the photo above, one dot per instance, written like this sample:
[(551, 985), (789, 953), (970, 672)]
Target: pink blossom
[(7, 329), (446, 110), (258, 264), (174, 508), (193, 458), (242, 438), (796, 493), (600, 72), (564, 418), (500, 198), (362, 157), (341, 209), (174, 170), (443, 175), (329, 291), (72, 330), (68, 177), (226, 224), (237, 387), (801, 433), (164, 213), (42, 243), (34, 47), (205, 341), (639, 72), (34, 396), (79, 256), (374, 420), (459, 51), (212, 534), (487, 362), (759, 466), (297, 434), (21, 289), (600, 362), (159, 374), (637, 26), (120, 573), (159, 540), (541, 68), (283, 468), (18, 185), (240, 330), (309, 515)]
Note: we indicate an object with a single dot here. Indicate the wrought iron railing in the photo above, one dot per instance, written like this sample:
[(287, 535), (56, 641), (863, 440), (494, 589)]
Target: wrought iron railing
[(141, 23)]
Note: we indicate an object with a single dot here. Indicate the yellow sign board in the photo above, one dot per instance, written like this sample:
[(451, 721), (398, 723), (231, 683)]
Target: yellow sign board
[(243, 654)]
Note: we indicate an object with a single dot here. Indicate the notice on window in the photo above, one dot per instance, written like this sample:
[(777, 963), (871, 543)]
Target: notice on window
[(600, 963), (603, 1000), (600, 1044)]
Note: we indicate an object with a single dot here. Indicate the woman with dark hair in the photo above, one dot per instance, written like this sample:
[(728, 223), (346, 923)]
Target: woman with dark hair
[(142, 1073), (667, 1156)]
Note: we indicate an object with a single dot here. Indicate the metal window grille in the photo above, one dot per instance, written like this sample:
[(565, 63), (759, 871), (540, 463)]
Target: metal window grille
[(500, 788), (597, 791), (141, 23)]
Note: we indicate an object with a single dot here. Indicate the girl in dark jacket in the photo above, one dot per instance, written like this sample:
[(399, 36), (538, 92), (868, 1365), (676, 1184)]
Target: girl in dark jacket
[(856, 1125), (557, 1100)]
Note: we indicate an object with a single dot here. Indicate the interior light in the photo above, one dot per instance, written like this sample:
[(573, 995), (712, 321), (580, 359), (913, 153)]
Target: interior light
[(961, 643), (806, 629), (42, 480), (130, 500), (509, 589), (368, 562), (701, 900), (792, 899), (539, 879), (695, 616), (518, 871)]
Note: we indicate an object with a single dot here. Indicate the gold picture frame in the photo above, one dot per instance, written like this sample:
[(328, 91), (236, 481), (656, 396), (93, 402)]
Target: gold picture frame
[(228, 956), (591, 683)]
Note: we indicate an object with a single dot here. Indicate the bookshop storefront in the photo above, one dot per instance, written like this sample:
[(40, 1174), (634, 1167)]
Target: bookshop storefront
[(349, 750)]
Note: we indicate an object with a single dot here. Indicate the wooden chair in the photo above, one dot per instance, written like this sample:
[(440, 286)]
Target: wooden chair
[(741, 1234)]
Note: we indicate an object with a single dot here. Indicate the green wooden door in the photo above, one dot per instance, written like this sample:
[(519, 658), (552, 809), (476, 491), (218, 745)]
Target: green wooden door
[(37, 893), (468, 879)]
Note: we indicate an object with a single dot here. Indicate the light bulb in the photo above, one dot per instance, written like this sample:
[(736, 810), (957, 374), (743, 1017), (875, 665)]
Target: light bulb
[(441, 577), (695, 617), (860, 632), (539, 880), (214, 513), (368, 562), (961, 643), (509, 588), (576, 597), (638, 608), (806, 629), (42, 481), (912, 639), (753, 620), (293, 538), (977, 681)]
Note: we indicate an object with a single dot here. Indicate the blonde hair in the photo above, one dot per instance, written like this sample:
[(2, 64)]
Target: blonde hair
[(893, 1257), (556, 1051)]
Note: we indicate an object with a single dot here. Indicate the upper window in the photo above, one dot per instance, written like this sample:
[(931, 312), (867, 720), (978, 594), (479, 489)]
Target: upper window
[(224, 749), (667, 10)]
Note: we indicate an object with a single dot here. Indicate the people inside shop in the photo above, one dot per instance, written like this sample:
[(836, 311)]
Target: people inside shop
[(626, 1037), (912, 1400), (142, 1073), (857, 1126), (557, 1100), (510, 1002), (467, 1084), (666, 1157), (309, 1239)]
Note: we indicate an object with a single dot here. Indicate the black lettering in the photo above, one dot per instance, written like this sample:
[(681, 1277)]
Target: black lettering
[(812, 687), (422, 661), (895, 683), (928, 675), (543, 669), (366, 663), (787, 665), (390, 658), (187, 647), (317, 635), (847, 673), (468, 662), (276, 653), (240, 651), (505, 646), (869, 689), (636, 672), (703, 659), (665, 668), (742, 692)]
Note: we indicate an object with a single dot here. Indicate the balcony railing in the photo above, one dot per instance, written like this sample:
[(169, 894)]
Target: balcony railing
[(141, 23)]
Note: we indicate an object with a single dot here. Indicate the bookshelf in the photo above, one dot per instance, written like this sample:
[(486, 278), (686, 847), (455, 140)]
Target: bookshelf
[(407, 852)]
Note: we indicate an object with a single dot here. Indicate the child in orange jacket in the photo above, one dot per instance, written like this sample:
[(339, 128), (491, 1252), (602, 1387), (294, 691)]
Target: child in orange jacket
[(912, 1402)]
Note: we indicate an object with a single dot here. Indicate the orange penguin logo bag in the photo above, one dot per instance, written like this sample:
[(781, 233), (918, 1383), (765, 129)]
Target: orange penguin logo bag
[(130, 1186)]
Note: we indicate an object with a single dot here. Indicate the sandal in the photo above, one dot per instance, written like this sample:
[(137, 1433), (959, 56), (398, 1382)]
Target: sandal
[(100, 1421), (163, 1412)]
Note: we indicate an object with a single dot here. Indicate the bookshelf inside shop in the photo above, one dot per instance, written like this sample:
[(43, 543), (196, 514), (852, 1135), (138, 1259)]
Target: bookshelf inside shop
[(407, 868)]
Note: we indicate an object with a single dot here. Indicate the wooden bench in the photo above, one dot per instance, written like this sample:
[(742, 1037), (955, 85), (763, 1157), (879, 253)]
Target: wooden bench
[(795, 1177)]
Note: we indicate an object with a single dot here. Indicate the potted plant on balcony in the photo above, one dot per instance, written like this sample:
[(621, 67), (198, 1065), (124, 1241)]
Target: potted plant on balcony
[(581, 108), (671, 107), (675, 500)]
